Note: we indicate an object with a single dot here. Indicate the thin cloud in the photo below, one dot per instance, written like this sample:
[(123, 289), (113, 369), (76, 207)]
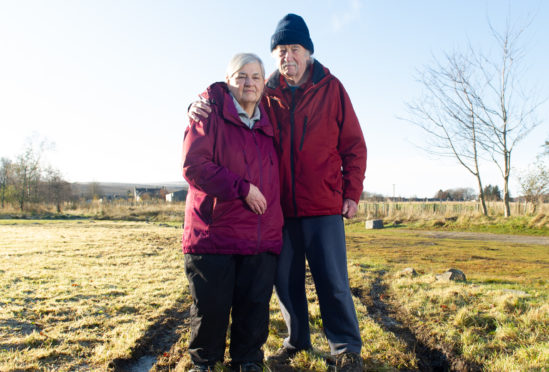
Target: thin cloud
[(348, 16)]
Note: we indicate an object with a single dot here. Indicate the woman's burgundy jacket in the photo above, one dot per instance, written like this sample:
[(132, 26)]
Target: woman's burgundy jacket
[(221, 157)]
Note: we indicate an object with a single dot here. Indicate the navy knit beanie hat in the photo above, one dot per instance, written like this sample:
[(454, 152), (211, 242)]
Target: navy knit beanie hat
[(292, 30)]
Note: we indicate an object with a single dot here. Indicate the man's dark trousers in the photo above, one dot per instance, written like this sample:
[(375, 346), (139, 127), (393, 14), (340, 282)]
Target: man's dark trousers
[(219, 282), (321, 240)]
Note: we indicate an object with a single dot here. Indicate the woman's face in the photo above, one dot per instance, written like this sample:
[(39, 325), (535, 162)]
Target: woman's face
[(247, 84)]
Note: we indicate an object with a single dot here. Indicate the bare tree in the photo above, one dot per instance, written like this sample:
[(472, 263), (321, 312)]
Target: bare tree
[(448, 113), (26, 175), (5, 178), (535, 182), (25, 180), (475, 106), (506, 110), (58, 190), (95, 191)]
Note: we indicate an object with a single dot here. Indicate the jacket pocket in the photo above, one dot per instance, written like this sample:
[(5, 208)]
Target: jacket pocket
[(271, 169), (221, 209), (205, 206), (248, 173), (303, 134), (334, 180)]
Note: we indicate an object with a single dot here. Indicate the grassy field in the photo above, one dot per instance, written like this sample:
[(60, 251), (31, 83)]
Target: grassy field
[(94, 295), (497, 319), (76, 295)]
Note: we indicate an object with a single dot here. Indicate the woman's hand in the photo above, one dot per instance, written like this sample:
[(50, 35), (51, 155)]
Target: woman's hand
[(199, 109), (255, 200)]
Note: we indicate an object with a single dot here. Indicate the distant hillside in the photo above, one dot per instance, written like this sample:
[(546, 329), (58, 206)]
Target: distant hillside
[(114, 188)]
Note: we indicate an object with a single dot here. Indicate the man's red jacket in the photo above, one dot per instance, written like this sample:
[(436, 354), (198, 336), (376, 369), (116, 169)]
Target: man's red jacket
[(321, 148)]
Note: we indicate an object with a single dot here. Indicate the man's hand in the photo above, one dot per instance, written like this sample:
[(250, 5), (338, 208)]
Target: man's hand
[(349, 208), (199, 109), (256, 201)]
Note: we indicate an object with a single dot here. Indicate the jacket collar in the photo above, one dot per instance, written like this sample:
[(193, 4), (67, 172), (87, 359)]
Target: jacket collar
[(319, 72), (219, 96)]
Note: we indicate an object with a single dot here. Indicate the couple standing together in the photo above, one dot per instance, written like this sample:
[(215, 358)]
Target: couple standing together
[(272, 167)]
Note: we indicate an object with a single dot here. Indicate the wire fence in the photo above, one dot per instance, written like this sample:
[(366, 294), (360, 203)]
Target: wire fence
[(161, 210), (444, 209)]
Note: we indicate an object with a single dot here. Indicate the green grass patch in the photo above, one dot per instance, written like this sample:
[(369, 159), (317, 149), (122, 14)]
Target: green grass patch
[(498, 319), (515, 225)]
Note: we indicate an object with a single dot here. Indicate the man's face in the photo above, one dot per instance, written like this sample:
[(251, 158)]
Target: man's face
[(292, 61)]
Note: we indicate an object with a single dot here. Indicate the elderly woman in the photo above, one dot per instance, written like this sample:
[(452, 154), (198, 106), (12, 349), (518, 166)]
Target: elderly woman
[(233, 219)]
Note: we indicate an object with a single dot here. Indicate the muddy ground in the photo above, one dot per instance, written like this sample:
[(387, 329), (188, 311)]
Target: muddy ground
[(431, 355), (158, 347), (159, 350)]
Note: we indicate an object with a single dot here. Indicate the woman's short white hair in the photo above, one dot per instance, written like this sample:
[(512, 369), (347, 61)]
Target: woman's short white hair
[(240, 60)]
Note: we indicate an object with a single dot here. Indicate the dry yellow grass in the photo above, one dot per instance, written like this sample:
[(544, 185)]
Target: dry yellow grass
[(156, 210), (414, 210), (75, 295), (382, 350)]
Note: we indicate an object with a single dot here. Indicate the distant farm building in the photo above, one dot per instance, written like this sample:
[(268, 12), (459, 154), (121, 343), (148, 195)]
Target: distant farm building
[(177, 196), (147, 193)]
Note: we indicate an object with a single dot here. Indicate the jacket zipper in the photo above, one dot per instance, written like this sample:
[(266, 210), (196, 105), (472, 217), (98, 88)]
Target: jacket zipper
[(247, 164), (292, 135), (260, 162), (292, 149), (303, 135)]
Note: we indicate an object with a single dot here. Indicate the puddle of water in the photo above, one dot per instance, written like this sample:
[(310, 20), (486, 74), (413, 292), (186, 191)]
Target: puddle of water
[(144, 364)]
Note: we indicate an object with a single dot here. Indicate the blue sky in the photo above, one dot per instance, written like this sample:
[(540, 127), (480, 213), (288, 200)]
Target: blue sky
[(109, 82)]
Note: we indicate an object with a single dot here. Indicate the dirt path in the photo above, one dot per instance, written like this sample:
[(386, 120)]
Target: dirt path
[(159, 341), (431, 357), (520, 239)]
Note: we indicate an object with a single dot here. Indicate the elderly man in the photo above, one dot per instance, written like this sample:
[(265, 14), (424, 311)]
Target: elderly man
[(322, 157), (322, 164)]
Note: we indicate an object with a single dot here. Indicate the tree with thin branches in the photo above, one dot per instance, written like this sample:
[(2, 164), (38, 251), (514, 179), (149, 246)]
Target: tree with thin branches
[(26, 176), (534, 182), (448, 113), (6, 168), (57, 189), (507, 111), (475, 107)]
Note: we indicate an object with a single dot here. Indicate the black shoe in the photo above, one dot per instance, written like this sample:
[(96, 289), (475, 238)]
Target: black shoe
[(250, 367), (201, 368), (283, 355), (349, 362)]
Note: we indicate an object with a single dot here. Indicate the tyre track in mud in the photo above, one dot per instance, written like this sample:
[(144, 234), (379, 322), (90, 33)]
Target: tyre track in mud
[(430, 358), (162, 336), (157, 343)]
